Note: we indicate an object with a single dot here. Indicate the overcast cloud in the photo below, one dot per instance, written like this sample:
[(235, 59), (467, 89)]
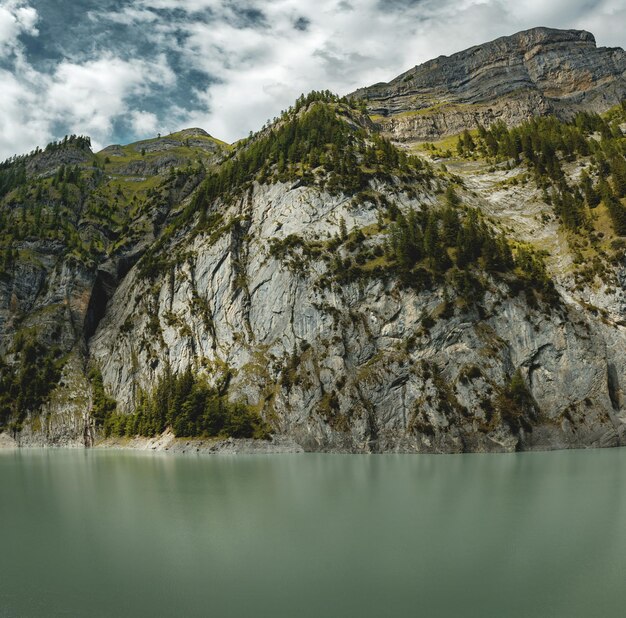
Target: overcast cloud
[(121, 70)]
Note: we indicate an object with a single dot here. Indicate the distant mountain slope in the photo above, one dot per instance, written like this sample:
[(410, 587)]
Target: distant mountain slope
[(535, 72)]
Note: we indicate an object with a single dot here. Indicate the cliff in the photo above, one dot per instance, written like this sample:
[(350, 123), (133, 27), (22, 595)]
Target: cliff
[(538, 71)]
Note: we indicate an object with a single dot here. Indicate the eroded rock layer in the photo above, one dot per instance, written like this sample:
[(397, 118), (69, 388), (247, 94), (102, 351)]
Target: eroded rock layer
[(538, 71)]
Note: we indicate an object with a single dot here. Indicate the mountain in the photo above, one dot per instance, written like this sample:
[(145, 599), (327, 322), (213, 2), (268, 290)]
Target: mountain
[(538, 71), (319, 286)]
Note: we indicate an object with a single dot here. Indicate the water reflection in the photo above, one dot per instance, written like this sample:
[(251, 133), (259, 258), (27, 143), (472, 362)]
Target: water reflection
[(133, 534)]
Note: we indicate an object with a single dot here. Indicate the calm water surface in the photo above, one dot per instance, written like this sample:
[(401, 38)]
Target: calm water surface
[(103, 533)]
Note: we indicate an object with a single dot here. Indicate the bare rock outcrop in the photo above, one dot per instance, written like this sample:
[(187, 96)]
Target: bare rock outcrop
[(538, 71)]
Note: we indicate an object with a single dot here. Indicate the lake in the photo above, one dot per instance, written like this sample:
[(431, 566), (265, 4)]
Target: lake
[(118, 533)]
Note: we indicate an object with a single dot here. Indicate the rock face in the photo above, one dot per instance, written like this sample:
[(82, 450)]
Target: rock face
[(539, 71), (368, 375), (50, 291), (45, 163)]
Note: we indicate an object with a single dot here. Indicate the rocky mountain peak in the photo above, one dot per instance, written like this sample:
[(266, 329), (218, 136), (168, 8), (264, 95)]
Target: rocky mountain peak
[(537, 71), (73, 150)]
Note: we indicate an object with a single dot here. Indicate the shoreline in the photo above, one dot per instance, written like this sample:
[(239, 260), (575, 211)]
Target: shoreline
[(169, 443)]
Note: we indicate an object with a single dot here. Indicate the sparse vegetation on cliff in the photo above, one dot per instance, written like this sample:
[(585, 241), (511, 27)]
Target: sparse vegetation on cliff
[(545, 145), (26, 383)]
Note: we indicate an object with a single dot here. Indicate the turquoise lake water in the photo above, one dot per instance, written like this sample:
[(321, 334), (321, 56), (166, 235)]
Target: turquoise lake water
[(114, 533)]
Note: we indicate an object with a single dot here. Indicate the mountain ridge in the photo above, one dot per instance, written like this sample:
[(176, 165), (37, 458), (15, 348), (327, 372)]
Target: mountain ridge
[(534, 72)]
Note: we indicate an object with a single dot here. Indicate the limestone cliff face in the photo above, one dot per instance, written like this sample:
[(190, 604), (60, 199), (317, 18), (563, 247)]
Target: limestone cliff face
[(538, 71), (352, 367), (50, 290)]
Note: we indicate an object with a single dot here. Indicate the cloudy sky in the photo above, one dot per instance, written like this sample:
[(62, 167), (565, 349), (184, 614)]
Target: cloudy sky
[(121, 70)]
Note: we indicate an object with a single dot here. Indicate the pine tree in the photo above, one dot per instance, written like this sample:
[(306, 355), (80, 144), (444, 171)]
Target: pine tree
[(452, 199), (451, 225), (343, 229), (618, 175), (433, 248), (592, 196)]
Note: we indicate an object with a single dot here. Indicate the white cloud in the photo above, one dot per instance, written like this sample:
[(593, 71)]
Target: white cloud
[(86, 97), (20, 128), (16, 18), (257, 59), (144, 123), (127, 16), (92, 94)]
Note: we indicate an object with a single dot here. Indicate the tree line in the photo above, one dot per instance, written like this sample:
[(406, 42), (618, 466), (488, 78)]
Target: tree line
[(184, 402)]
